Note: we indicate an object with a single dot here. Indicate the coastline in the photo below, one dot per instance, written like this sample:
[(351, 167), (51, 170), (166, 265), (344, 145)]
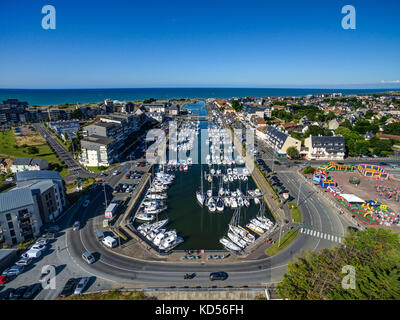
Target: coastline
[(45, 97)]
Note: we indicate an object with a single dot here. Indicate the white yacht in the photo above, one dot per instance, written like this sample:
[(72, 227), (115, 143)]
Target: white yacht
[(220, 204), (229, 244), (236, 239)]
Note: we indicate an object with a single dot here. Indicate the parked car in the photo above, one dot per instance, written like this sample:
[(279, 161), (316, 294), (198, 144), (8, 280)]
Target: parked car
[(5, 295), (53, 229), (88, 257), (100, 235), (69, 287), (13, 271), (31, 254), (24, 261), (39, 247), (218, 276), (80, 287), (48, 236), (110, 242), (76, 225), (32, 291), (6, 279), (18, 293), (42, 241)]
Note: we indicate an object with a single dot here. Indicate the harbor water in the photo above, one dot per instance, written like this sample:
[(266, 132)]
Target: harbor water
[(200, 228)]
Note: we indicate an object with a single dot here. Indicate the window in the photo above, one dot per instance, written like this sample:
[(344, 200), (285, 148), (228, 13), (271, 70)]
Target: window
[(10, 225), (12, 233), (14, 240), (8, 216)]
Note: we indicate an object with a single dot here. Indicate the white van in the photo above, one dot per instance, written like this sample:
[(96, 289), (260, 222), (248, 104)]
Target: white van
[(32, 253), (110, 242)]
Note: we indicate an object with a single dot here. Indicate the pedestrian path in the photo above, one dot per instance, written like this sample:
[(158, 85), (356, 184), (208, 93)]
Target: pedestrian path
[(322, 235)]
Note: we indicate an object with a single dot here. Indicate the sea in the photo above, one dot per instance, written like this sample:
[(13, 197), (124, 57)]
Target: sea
[(44, 97)]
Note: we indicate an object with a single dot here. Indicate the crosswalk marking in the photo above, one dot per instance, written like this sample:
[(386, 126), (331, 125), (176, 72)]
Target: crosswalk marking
[(321, 235)]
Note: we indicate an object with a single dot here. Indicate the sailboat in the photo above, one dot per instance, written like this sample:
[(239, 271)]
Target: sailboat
[(201, 197), (220, 204), (211, 205)]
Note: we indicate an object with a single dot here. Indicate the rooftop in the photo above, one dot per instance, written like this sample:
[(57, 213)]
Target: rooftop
[(15, 198), (37, 175)]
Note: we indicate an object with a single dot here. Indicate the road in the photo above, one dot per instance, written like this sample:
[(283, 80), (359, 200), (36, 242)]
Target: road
[(74, 167), (114, 270)]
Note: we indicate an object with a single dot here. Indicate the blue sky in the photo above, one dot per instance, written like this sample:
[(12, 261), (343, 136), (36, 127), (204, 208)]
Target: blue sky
[(218, 43)]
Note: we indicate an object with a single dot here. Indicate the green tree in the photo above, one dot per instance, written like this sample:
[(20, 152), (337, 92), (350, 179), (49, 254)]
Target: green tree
[(237, 105), (375, 256), (309, 169), (314, 131), (292, 152), (392, 128), (361, 146), (330, 116)]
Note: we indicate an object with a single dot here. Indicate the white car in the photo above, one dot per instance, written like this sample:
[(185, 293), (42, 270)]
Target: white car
[(86, 203), (80, 287), (88, 257), (38, 247), (115, 173), (42, 241)]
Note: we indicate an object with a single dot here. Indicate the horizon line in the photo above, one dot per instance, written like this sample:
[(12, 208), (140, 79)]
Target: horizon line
[(211, 87)]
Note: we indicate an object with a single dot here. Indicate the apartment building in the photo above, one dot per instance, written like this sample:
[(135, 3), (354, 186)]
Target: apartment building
[(38, 198), (98, 151), (65, 127), (325, 148), (28, 164), (280, 141)]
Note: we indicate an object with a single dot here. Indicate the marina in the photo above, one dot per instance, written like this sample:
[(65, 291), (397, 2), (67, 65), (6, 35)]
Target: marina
[(192, 206)]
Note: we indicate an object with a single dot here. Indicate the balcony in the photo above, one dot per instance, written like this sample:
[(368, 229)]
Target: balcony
[(24, 216)]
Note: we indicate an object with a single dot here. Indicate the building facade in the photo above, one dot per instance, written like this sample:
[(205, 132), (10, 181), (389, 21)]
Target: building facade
[(325, 148), (28, 164), (280, 141)]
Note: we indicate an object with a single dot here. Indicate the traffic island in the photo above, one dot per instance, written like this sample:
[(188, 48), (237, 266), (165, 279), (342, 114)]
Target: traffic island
[(295, 212), (286, 240)]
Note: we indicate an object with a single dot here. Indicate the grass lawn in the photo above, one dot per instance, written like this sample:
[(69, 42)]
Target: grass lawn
[(295, 212), (71, 187), (110, 295), (286, 239), (101, 168), (8, 148)]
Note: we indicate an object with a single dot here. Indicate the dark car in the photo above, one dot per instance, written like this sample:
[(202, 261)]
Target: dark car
[(18, 293), (32, 291), (5, 295), (218, 275), (49, 236), (52, 229), (69, 288), (352, 228)]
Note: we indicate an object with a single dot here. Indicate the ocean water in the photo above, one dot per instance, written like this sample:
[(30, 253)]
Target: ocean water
[(61, 96)]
